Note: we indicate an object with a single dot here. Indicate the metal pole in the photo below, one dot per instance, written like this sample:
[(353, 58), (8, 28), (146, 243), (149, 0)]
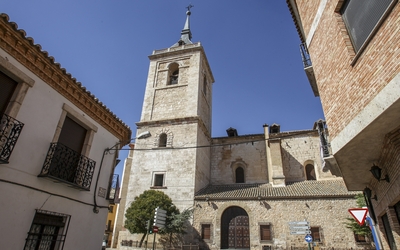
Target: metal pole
[(154, 239)]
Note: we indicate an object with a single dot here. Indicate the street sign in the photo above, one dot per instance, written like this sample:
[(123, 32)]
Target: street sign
[(299, 223), (160, 217), (359, 214), (308, 238), (300, 232), (155, 229), (300, 228)]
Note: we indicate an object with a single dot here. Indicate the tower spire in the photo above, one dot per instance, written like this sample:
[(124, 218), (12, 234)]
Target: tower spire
[(186, 34)]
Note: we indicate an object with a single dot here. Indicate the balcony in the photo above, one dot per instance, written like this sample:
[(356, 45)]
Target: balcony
[(308, 68), (65, 165), (10, 129), (113, 190)]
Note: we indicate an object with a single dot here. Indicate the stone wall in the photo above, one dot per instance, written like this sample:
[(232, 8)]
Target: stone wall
[(328, 214)]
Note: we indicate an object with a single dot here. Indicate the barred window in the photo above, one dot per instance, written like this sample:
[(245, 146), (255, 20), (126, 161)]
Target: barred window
[(48, 231)]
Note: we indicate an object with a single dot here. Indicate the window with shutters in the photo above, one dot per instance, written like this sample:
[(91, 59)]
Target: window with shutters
[(67, 159), (206, 231), (363, 20), (316, 234), (48, 231), (14, 84), (265, 232)]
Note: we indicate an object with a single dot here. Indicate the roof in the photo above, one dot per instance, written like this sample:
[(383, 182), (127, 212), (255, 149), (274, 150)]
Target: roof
[(31, 55), (265, 191)]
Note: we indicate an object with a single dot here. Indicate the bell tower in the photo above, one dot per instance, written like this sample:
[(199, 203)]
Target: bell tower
[(177, 112)]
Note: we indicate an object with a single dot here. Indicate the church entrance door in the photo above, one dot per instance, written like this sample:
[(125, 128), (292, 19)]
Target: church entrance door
[(235, 229)]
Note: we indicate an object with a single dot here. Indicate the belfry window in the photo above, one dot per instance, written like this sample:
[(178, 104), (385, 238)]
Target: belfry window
[(173, 74), (162, 141), (239, 172)]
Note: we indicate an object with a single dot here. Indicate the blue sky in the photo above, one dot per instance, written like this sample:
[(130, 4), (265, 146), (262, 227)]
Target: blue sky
[(252, 47)]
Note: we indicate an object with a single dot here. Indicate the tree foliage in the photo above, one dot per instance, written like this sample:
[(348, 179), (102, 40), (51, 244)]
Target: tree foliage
[(353, 225), (176, 228), (142, 209)]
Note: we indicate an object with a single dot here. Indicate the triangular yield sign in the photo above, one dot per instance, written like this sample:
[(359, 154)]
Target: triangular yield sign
[(359, 214)]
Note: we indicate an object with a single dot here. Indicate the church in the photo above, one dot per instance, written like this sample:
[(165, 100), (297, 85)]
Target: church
[(246, 191)]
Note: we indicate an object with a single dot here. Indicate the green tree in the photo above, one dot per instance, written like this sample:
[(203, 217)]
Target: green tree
[(176, 228), (353, 225), (142, 209)]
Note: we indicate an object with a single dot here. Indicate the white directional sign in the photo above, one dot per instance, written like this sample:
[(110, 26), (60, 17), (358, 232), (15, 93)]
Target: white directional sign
[(299, 227), (300, 232), (299, 223)]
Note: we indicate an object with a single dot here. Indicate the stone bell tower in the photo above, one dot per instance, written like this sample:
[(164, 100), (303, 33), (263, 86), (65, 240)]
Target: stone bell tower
[(175, 158)]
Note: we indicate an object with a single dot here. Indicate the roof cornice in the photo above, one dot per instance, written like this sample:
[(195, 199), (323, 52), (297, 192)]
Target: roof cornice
[(31, 56)]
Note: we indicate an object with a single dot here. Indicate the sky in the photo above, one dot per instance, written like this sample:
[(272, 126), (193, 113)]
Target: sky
[(252, 47)]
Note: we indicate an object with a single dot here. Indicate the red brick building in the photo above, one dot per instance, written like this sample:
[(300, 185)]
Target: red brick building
[(351, 53)]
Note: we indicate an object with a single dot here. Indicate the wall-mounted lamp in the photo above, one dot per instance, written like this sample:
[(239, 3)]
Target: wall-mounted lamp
[(377, 173), (368, 193)]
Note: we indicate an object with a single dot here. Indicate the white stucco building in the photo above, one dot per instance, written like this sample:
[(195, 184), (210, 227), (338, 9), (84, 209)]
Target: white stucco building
[(56, 169)]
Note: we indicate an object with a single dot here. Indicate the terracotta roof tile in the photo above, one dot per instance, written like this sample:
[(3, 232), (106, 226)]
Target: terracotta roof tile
[(304, 189)]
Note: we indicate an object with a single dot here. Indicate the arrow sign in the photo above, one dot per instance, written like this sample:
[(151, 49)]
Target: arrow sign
[(308, 238), (359, 214)]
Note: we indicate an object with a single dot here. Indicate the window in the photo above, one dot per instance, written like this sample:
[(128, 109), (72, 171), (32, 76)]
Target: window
[(205, 85), (310, 172), (362, 19), (265, 232), (48, 231), (158, 180), (397, 210), (359, 238), (67, 159), (14, 85), (206, 231), (388, 232), (8, 86), (315, 233), (239, 172), (162, 141), (173, 73)]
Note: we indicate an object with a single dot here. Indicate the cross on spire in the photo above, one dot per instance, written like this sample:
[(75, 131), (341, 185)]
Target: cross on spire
[(189, 7)]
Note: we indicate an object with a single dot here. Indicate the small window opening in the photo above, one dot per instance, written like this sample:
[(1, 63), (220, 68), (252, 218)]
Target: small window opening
[(315, 233), (310, 172), (162, 142), (205, 85), (239, 175), (275, 128), (158, 180)]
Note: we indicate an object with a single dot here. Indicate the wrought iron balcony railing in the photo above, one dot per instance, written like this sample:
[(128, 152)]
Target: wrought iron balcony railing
[(10, 129), (68, 166), (113, 190), (305, 55)]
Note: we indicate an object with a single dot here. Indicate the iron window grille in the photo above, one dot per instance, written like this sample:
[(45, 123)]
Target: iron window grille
[(68, 166), (10, 129), (113, 190), (48, 231)]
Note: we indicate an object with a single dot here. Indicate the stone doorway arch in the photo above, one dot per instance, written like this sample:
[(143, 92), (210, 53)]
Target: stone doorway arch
[(235, 233)]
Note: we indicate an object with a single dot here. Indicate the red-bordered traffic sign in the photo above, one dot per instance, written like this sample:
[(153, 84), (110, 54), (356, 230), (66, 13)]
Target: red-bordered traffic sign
[(155, 229), (359, 214)]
